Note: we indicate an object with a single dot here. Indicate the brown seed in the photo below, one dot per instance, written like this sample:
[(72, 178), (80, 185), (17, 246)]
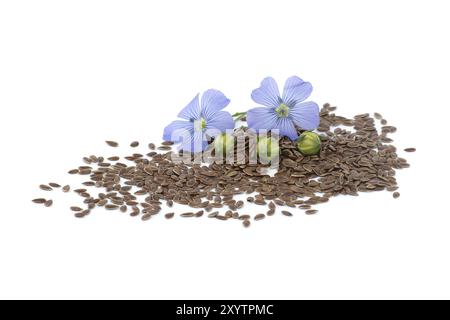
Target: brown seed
[(396, 195), (167, 143), (39, 200), (45, 187), (271, 212), (48, 203), (244, 217), (73, 171), (112, 144), (151, 146), (377, 116), (164, 148), (146, 217), (259, 217), (287, 213), (54, 185), (134, 144), (123, 208), (66, 188), (111, 207), (77, 209), (213, 214), (169, 215), (114, 158), (135, 211), (199, 213), (310, 212), (79, 215), (246, 223), (187, 215), (410, 149)]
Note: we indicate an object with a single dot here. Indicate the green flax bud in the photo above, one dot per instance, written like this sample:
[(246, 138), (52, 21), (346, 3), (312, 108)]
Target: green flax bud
[(309, 143)]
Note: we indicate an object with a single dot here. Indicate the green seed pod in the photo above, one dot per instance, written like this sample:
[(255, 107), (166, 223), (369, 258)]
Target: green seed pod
[(309, 143), (223, 144), (268, 148)]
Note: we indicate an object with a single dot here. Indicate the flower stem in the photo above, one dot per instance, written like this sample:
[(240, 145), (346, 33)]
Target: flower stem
[(239, 115)]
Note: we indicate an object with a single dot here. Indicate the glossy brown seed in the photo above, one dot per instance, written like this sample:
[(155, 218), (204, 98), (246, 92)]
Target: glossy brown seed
[(135, 211), (112, 144), (410, 149), (151, 146), (244, 217), (310, 212), (396, 195), (146, 217), (213, 214), (79, 215), (39, 200), (134, 144), (271, 212), (246, 223), (45, 187), (76, 209), (169, 215), (54, 185), (66, 188), (259, 217), (115, 158), (187, 214), (48, 203), (73, 171), (287, 213), (199, 213), (111, 207)]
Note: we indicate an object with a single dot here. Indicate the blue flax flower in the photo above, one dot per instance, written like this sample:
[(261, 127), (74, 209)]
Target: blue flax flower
[(284, 112), (201, 119)]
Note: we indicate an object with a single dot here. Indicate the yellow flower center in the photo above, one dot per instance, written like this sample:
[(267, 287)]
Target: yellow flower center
[(282, 110)]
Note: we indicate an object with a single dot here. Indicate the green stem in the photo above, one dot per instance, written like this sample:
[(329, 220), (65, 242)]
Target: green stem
[(239, 115)]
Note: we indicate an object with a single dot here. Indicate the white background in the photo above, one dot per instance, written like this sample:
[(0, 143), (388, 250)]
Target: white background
[(76, 73)]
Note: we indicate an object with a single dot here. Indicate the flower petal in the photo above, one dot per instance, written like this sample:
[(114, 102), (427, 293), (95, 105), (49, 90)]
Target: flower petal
[(296, 90), (287, 128), (192, 110), (221, 120), (305, 115), (175, 131), (267, 94), (195, 142), (261, 118), (212, 102)]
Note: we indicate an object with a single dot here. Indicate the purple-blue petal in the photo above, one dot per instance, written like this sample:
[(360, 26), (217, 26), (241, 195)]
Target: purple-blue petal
[(195, 142), (192, 110), (305, 115), (267, 94), (221, 120), (175, 130), (261, 118), (287, 128), (212, 102), (296, 90)]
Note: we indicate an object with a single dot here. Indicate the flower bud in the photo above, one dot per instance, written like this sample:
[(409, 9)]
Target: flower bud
[(309, 143), (223, 144), (268, 148)]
